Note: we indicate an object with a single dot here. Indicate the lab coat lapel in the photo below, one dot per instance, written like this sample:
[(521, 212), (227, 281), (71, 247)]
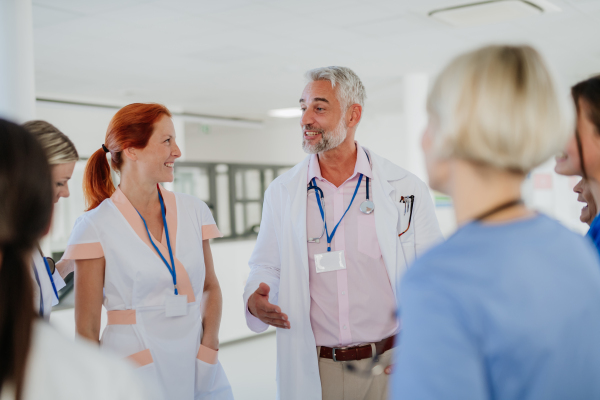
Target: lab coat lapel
[(386, 220), (296, 188), (386, 214)]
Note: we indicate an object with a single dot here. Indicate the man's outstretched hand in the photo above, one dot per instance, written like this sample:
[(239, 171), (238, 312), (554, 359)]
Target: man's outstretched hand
[(259, 306)]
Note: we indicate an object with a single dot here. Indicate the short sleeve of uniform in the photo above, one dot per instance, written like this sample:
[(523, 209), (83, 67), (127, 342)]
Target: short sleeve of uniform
[(209, 226), (84, 242)]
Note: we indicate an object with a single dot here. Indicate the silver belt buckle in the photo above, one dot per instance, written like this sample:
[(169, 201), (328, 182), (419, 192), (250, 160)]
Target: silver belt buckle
[(333, 349)]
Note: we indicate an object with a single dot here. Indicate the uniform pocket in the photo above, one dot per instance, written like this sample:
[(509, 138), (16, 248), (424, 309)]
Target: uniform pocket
[(206, 370), (215, 385), (367, 236), (141, 358), (146, 370), (211, 381), (205, 378)]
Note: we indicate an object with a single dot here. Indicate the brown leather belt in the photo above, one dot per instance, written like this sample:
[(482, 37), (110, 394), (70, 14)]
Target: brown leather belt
[(358, 352)]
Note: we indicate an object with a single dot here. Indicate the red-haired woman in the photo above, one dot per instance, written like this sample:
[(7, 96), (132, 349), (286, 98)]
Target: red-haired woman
[(144, 253)]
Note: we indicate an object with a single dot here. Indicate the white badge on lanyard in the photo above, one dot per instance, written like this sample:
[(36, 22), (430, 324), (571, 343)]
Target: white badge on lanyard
[(330, 261), (176, 305)]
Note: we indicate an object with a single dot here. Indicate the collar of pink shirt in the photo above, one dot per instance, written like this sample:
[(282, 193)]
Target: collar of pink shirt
[(362, 166)]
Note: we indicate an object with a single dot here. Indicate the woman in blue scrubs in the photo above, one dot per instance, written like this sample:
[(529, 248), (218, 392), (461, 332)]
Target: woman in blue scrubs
[(509, 306)]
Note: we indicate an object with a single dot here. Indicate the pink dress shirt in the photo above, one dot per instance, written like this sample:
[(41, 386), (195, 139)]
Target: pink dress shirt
[(356, 305)]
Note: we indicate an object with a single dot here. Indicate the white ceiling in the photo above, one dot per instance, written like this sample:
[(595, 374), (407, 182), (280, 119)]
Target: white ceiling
[(241, 58)]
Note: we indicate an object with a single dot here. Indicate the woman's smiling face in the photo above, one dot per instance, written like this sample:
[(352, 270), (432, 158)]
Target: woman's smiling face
[(157, 159)]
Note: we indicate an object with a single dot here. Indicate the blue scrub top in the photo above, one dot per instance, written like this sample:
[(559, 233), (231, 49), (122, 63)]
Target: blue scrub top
[(502, 311), (594, 233)]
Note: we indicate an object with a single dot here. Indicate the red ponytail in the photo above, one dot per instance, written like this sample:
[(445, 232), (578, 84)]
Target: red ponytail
[(131, 126)]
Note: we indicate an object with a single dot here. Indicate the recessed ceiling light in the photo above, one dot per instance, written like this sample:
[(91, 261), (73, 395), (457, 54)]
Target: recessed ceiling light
[(486, 12), (291, 112)]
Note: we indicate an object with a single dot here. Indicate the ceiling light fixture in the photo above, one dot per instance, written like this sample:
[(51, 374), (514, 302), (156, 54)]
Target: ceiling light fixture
[(291, 112), (487, 12)]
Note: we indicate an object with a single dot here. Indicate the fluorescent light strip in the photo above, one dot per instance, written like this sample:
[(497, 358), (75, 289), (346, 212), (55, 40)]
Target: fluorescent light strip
[(292, 112)]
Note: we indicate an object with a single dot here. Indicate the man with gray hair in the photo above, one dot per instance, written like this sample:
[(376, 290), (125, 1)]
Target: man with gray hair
[(337, 232)]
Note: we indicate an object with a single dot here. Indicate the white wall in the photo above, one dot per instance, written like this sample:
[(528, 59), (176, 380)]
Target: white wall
[(279, 142), (85, 126)]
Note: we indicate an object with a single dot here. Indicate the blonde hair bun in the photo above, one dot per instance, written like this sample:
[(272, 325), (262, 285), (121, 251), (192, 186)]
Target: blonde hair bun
[(499, 106)]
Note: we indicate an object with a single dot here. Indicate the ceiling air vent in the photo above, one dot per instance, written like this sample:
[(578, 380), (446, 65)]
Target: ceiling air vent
[(486, 12)]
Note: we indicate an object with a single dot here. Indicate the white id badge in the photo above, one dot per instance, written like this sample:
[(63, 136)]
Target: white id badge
[(330, 261), (176, 305)]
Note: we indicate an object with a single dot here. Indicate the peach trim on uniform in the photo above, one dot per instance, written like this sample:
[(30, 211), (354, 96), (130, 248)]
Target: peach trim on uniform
[(184, 285), (171, 216), (121, 317), (210, 232), (83, 251), (141, 358), (207, 355)]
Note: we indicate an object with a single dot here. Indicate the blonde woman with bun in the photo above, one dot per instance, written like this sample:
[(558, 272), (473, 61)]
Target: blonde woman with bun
[(509, 306), (62, 156)]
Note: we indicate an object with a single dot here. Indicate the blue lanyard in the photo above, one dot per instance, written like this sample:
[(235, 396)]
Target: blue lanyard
[(37, 278), (329, 238), (171, 267), (50, 275)]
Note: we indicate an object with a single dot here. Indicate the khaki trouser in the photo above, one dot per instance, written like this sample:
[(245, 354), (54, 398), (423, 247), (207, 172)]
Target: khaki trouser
[(339, 383)]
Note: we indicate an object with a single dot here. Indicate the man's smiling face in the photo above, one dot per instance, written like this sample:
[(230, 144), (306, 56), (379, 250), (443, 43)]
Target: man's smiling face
[(322, 122)]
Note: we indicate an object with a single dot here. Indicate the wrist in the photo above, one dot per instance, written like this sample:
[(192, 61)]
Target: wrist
[(251, 304), (212, 342)]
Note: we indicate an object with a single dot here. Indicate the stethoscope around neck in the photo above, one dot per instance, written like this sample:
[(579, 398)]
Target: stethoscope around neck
[(366, 207)]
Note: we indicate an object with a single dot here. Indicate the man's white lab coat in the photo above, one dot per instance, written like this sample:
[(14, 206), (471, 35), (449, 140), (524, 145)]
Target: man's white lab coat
[(280, 259)]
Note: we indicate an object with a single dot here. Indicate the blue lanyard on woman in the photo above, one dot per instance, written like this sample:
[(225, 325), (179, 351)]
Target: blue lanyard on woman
[(50, 275), (171, 267), (37, 279), (329, 238)]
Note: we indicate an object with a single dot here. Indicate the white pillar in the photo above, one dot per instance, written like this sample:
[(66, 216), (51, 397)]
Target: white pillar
[(415, 117), (17, 80)]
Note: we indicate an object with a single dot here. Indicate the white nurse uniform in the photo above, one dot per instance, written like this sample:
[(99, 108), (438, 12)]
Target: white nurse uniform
[(137, 284)]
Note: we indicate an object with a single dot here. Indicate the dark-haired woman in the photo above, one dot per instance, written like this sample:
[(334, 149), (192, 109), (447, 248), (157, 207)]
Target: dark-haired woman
[(62, 156), (144, 253), (35, 361), (584, 195), (582, 153)]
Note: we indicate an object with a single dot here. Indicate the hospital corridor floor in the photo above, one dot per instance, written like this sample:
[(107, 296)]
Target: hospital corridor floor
[(250, 367)]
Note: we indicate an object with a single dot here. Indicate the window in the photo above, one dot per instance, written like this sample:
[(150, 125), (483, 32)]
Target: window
[(233, 192)]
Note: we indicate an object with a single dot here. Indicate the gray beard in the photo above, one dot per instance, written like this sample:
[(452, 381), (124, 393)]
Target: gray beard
[(329, 140)]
